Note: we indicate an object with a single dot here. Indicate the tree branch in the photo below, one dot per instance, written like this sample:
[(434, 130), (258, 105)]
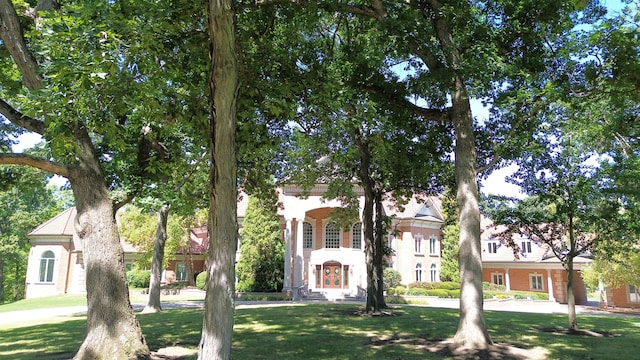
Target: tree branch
[(12, 37), (28, 160), (438, 115), (19, 119)]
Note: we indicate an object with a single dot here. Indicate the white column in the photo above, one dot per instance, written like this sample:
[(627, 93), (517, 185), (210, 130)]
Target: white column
[(550, 285), (298, 269), (287, 257), (507, 279)]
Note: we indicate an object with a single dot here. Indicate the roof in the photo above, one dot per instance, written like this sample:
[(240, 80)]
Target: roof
[(59, 225), (62, 225), (419, 207)]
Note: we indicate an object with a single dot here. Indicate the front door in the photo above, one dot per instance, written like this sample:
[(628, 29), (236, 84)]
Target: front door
[(332, 276)]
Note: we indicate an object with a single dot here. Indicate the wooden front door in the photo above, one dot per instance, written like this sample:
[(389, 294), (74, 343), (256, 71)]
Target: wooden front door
[(332, 276)]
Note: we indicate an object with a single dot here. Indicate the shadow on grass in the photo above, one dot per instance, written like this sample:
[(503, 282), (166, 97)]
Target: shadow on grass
[(339, 331)]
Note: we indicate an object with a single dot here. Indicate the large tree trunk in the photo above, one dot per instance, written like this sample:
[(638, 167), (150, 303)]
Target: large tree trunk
[(153, 303), (378, 252), (217, 328), (2, 280), (112, 329), (375, 291), (472, 330)]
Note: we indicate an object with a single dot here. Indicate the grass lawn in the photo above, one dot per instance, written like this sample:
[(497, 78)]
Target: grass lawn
[(338, 331)]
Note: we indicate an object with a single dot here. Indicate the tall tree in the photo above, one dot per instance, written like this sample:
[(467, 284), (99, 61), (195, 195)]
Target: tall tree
[(85, 77), (261, 263), (568, 199), (217, 328)]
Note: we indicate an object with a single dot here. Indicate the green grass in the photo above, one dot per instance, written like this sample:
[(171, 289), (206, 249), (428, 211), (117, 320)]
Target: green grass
[(46, 302), (338, 331)]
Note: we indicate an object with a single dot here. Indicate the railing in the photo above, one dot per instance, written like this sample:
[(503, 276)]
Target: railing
[(300, 292), (362, 293)]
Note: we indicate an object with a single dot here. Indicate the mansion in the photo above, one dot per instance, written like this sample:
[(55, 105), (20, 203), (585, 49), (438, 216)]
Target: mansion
[(322, 257)]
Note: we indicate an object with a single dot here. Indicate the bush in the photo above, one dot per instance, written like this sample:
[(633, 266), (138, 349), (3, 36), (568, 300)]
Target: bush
[(449, 285), (400, 290), (201, 280), (391, 278), (441, 293), (395, 300), (139, 278), (263, 297), (416, 291), (455, 293), (421, 285)]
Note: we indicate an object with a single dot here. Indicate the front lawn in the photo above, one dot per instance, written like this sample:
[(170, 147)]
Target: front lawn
[(339, 331)]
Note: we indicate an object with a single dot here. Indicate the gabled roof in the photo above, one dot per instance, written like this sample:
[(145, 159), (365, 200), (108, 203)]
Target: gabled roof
[(59, 225), (419, 207)]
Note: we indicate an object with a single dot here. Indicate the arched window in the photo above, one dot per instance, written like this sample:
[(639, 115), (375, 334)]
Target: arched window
[(332, 236), (418, 272), (307, 235), (356, 236), (46, 266), (433, 272), (433, 245)]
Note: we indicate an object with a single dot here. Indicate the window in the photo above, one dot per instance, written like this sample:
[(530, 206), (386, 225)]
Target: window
[(46, 266), (332, 236), (391, 242), (418, 243), (307, 235), (433, 245), (128, 266), (492, 247), (356, 236), (536, 282), (496, 278), (419, 272), (525, 247), (633, 294), (433, 272), (181, 272)]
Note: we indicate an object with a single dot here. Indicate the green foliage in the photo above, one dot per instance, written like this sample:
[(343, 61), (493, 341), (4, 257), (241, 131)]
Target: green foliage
[(261, 264), (138, 278), (416, 291), (449, 285), (263, 297), (391, 278), (441, 293), (395, 299), (201, 280), (449, 268)]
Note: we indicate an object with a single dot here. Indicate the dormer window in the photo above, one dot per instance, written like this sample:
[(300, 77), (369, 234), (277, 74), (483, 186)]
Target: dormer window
[(492, 247), (525, 247)]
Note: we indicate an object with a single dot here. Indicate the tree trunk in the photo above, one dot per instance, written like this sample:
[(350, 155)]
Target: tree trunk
[(378, 252), (217, 328), (571, 298), (472, 330), (375, 291), (2, 280), (112, 329), (153, 304)]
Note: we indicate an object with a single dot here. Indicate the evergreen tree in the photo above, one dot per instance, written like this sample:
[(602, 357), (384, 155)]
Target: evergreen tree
[(261, 264), (449, 270)]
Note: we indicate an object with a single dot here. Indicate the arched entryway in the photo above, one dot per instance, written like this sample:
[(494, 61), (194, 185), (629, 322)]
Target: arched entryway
[(334, 275)]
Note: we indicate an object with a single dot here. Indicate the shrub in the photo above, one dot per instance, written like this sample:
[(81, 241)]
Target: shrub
[(416, 291), (455, 293), (486, 285), (449, 285), (400, 290), (395, 300), (391, 278), (441, 293), (263, 297), (201, 280), (138, 278), (420, 285)]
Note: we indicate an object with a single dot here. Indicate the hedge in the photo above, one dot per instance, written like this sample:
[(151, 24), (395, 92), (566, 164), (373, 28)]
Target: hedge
[(201, 280), (138, 279)]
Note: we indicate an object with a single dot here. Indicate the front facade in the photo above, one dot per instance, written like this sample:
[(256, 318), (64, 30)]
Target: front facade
[(322, 257)]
